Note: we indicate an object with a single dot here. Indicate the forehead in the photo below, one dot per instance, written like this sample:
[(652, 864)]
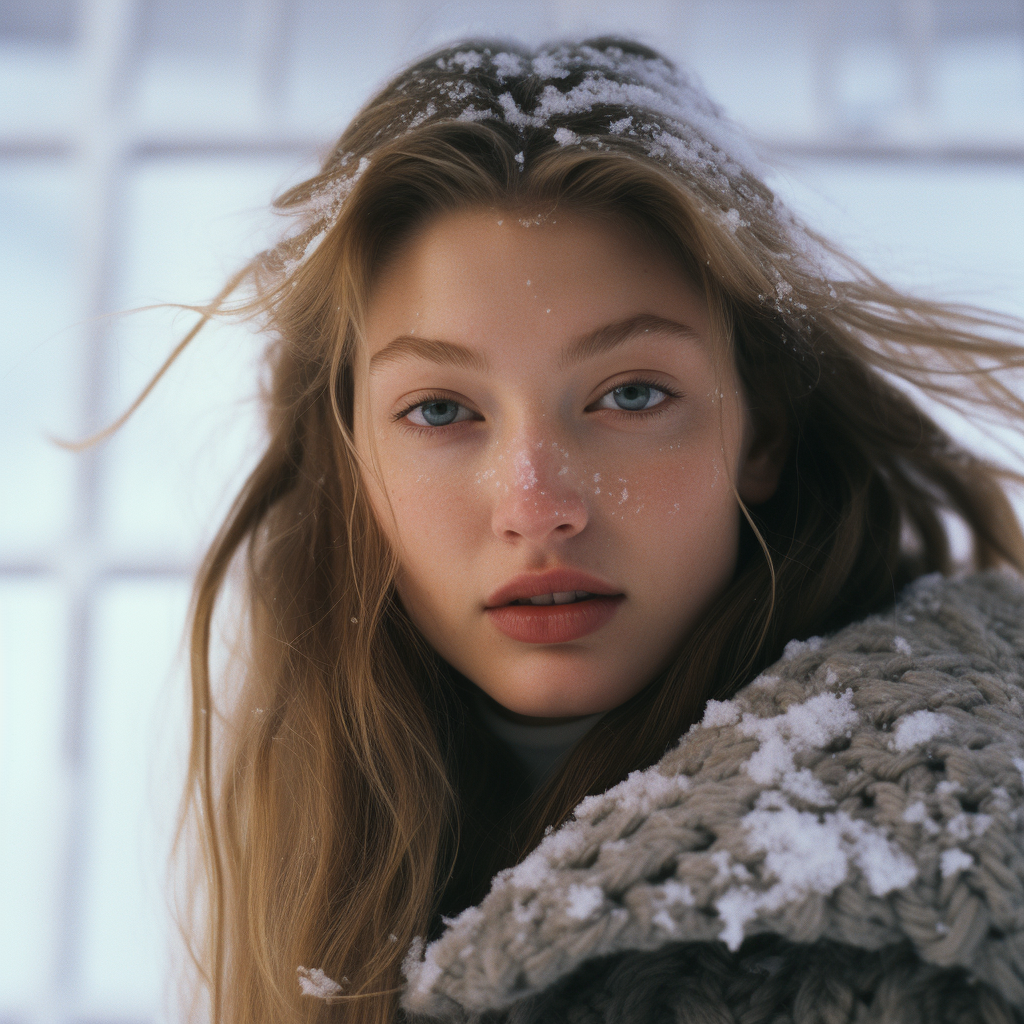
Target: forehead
[(496, 277)]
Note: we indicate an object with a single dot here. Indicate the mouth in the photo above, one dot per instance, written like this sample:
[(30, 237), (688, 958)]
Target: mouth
[(553, 607), (557, 586), (560, 597)]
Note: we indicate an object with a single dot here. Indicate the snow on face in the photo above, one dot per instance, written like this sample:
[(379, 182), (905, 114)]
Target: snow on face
[(542, 466), (525, 475)]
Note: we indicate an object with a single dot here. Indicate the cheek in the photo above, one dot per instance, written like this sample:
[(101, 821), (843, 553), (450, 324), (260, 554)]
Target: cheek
[(435, 531), (675, 481), (433, 512), (674, 511)]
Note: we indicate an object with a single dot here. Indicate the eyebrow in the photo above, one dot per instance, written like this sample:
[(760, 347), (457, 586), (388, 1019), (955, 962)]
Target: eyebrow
[(587, 346), (445, 353), (604, 339)]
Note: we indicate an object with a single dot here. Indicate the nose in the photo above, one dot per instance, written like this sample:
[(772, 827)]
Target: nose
[(535, 498)]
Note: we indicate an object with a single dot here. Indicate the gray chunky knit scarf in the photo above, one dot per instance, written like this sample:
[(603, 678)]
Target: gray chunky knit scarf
[(842, 841)]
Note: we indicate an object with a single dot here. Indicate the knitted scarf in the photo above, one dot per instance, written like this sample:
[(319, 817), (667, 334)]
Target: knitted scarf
[(842, 840)]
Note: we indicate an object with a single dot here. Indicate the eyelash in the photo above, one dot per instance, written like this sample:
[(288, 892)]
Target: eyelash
[(415, 428), (633, 414), (644, 382)]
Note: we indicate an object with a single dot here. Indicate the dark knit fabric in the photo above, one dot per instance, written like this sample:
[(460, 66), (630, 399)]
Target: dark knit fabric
[(842, 841)]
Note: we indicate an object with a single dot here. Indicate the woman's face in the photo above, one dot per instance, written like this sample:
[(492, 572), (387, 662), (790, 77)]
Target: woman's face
[(543, 404)]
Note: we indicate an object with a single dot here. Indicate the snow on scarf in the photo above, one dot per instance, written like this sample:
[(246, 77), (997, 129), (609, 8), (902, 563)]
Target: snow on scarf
[(866, 789)]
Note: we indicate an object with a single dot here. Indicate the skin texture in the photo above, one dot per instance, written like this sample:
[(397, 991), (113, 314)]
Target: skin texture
[(541, 467)]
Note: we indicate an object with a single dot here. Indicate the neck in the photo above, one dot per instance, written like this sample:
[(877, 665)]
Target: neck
[(538, 743)]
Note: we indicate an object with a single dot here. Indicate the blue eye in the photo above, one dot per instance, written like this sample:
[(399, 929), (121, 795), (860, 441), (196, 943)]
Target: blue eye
[(633, 397), (437, 412)]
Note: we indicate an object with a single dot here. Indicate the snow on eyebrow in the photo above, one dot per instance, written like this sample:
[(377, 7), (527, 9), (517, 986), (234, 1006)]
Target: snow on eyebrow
[(565, 137), (920, 727), (806, 853)]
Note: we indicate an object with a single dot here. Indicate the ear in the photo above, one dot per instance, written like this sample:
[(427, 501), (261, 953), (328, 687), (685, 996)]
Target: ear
[(765, 448)]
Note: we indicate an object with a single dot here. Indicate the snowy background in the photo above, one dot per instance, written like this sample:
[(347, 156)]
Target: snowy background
[(140, 142)]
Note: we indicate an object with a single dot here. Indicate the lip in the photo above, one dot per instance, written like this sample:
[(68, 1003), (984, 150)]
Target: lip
[(552, 623), (554, 581)]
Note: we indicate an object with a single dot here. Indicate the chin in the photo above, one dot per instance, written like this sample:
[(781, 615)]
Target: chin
[(556, 698)]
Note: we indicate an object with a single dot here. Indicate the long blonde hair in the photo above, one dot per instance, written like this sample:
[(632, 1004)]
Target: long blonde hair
[(335, 814)]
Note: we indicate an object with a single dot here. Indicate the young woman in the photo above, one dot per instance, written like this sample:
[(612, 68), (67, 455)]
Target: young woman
[(574, 433)]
